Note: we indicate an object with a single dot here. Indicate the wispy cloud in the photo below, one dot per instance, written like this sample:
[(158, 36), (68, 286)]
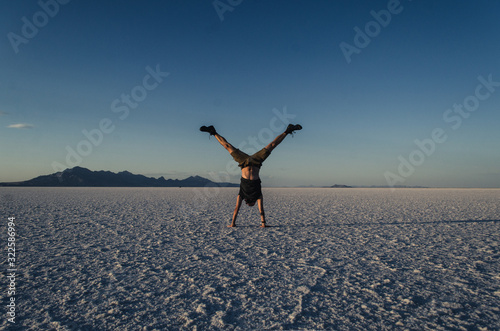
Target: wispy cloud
[(3, 113), (21, 126)]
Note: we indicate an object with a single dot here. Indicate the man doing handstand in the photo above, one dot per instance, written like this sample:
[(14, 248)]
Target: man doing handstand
[(250, 185)]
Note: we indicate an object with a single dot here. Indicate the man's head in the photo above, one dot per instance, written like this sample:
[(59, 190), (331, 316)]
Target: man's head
[(250, 203)]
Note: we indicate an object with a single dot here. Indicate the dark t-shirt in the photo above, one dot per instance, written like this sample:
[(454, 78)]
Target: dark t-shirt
[(250, 190)]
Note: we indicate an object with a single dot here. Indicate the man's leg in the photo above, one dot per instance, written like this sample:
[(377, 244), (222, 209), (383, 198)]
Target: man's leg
[(239, 200), (272, 145), (230, 148), (210, 129), (237, 155), (290, 129), (260, 203)]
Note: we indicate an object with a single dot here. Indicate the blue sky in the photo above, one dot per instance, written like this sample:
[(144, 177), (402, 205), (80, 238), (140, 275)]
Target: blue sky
[(140, 77)]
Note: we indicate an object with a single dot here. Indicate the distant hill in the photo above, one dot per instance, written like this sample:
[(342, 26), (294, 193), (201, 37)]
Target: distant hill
[(340, 186), (82, 177)]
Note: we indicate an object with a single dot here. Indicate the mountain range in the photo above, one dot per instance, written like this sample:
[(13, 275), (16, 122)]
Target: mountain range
[(79, 176)]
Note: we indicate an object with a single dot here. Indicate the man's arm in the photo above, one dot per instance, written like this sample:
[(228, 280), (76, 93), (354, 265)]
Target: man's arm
[(260, 203), (239, 200)]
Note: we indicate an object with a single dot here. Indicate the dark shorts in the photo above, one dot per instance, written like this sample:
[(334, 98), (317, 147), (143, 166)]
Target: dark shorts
[(250, 190), (244, 160)]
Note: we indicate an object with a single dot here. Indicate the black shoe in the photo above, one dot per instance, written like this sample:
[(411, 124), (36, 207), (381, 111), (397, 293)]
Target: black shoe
[(210, 129), (293, 127)]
